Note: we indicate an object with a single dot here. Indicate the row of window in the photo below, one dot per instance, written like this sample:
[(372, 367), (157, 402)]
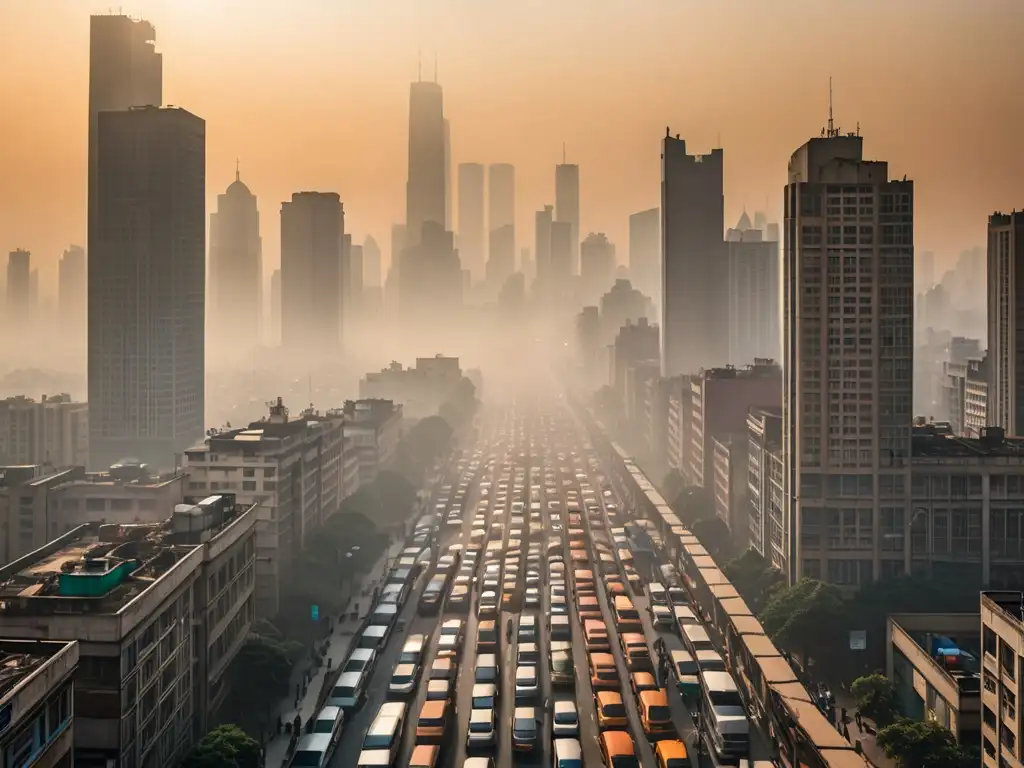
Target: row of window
[(40, 729)]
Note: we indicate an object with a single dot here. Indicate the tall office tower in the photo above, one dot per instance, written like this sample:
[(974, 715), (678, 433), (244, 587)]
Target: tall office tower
[(147, 286), (472, 246), (501, 222), (352, 289), (371, 263), (597, 266), (312, 238), (430, 278), (1005, 321), (71, 292), (275, 307), (527, 265), (848, 283), (124, 71), (645, 251), (448, 176), (924, 272), (19, 288), (392, 283), (561, 259), (542, 245), (693, 324), (567, 207), (753, 310), (425, 190), (236, 272), (33, 295)]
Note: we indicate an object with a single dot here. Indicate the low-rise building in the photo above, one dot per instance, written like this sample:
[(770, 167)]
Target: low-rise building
[(39, 503), (37, 692), (54, 431), (1002, 641), (159, 611), (731, 473), (293, 470), (680, 418), (768, 528), (933, 661), (421, 390), (376, 429), (965, 395)]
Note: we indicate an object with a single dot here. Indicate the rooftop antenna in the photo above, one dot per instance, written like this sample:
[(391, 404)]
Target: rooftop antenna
[(237, 172), (831, 125)]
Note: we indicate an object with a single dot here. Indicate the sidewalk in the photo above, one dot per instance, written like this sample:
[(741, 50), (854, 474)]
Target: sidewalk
[(338, 643), (865, 735)]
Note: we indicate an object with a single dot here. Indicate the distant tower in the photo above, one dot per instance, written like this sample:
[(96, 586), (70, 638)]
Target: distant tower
[(19, 289), (542, 246), (1005, 327), (371, 263), (597, 267), (312, 238), (275, 307), (426, 189), (236, 271), (147, 287), (645, 251), (472, 243), (501, 222), (448, 176), (567, 206), (693, 325), (71, 292)]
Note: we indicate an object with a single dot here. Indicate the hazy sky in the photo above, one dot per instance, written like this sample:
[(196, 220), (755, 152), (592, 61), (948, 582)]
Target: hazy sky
[(313, 94)]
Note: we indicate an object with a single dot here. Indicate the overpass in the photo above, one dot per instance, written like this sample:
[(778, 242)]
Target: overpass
[(780, 705)]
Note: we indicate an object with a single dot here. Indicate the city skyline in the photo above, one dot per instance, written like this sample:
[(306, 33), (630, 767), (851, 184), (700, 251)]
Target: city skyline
[(44, 210)]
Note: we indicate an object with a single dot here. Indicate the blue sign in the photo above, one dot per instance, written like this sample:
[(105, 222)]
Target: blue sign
[(314, 611)]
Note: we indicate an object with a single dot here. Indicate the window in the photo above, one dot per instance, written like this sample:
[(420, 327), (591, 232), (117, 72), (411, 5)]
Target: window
[(989, 641)]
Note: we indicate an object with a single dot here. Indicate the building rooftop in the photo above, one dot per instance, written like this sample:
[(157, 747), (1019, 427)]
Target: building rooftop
[(274, 429), (935, 440), (98, 568), (21, 659), (762, 366)]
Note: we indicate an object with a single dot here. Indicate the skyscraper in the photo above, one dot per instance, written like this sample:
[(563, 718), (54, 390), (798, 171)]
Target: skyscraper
[(426, 190), (147, 286), (472, 245), (274, 337), (752, 294), (19, 288), (848, 280), (312, 238), (447, 176), (567, 207), (236, 272), (542, 245), (124, 71), (693, 327), (430, 279), (597, 266), (1005, 326), (71, 292), (501, 222), (561, 259), (645, 251), (371, 263)]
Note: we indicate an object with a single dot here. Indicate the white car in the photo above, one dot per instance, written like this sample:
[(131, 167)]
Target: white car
[(566, 720), (481, 729), (526, 682), (403, 680), (532, 597)]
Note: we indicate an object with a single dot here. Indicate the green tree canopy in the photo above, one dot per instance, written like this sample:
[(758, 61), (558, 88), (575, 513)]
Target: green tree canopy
[(226, 746), (260, 673), (714, 535), (429, 439), (876, 698), (692, 504), (806, 617), (923, 744), (754, 578), (672, 485)]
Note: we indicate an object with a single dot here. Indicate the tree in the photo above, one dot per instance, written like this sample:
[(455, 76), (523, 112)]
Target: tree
[(692, 504), (714, 535), (923, 744), (753, 578), (226, 746), (805, 617), (260, 673), (397, 495), (876, 698), (672, 485), (429, 439)]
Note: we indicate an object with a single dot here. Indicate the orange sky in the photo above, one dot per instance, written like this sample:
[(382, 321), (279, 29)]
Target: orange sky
[(312, 94)]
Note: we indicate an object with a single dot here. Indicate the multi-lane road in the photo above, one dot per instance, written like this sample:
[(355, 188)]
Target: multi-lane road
[(532, 490)]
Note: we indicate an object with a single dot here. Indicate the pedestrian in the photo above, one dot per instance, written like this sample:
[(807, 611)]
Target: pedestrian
[(846, 730), (857, 717)]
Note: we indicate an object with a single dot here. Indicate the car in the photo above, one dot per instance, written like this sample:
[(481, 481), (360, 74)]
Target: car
[(526, 681), (488, 604), (481, 733), (527, 654), (527, 629), (524, 729), (559, 606), (565, 720), (486, 669), (661, 617), (439, 689), (485, 696), (532, 597), (403, 679), (360, 659)]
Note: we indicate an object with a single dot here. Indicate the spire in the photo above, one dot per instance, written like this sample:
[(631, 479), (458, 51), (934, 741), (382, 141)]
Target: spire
[(238, 176), (831, 124)]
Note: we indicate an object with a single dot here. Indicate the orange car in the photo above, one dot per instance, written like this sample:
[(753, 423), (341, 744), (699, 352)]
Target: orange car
[(611, 711), (602, 671)]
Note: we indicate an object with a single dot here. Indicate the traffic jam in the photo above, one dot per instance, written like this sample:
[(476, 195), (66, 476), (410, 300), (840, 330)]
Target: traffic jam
[(530, 620)]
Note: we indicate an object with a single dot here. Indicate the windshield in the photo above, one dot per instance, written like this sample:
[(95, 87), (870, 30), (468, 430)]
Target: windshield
[(659, 714), (344, 691), (307, 757), (409, 657), (625, 761), (561, 661), (614, 710), (401, 679), (354, 665), (565, 717), (483, 702), (480, 727), (486, 674), (521, 725), (726, 699), (629, 613), (379, 741)]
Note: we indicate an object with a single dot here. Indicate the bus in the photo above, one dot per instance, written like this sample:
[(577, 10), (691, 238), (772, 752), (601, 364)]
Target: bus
[(725, 716)]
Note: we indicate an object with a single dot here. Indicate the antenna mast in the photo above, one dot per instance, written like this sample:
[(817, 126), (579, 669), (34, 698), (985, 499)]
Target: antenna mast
[(831, 125)]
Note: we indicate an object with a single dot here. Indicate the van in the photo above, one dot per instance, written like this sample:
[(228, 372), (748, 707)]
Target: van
[(725, 715), (686, 672), (655, 715), (385, 731), (374, 637), (697, 638), (313, 750), (627, 618), (657, 594), (611, 711), (487, 637), (710, 661), (635, 651), (425, 756), (595, 636), (432, 722), (329, 720), (412, 651), (562, 670), (349, 691), (568, 753), (560, 628), (603, 673), (587, 608), (373, 757), (618, 751), (671, 753)]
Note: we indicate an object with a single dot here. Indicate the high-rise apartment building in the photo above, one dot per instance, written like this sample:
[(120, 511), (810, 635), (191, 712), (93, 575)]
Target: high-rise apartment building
[(501, 222), (694, 330), (848, 278), (567, 208), (1005, 321), (236, 272), (312, 238), (71, 292), (371, 263), (426, 188), (645, 251), (19, 289), (124, 71), (472, 243), (753, 312), (597, 266), (53, 431), (542, 245), (147, 286)]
